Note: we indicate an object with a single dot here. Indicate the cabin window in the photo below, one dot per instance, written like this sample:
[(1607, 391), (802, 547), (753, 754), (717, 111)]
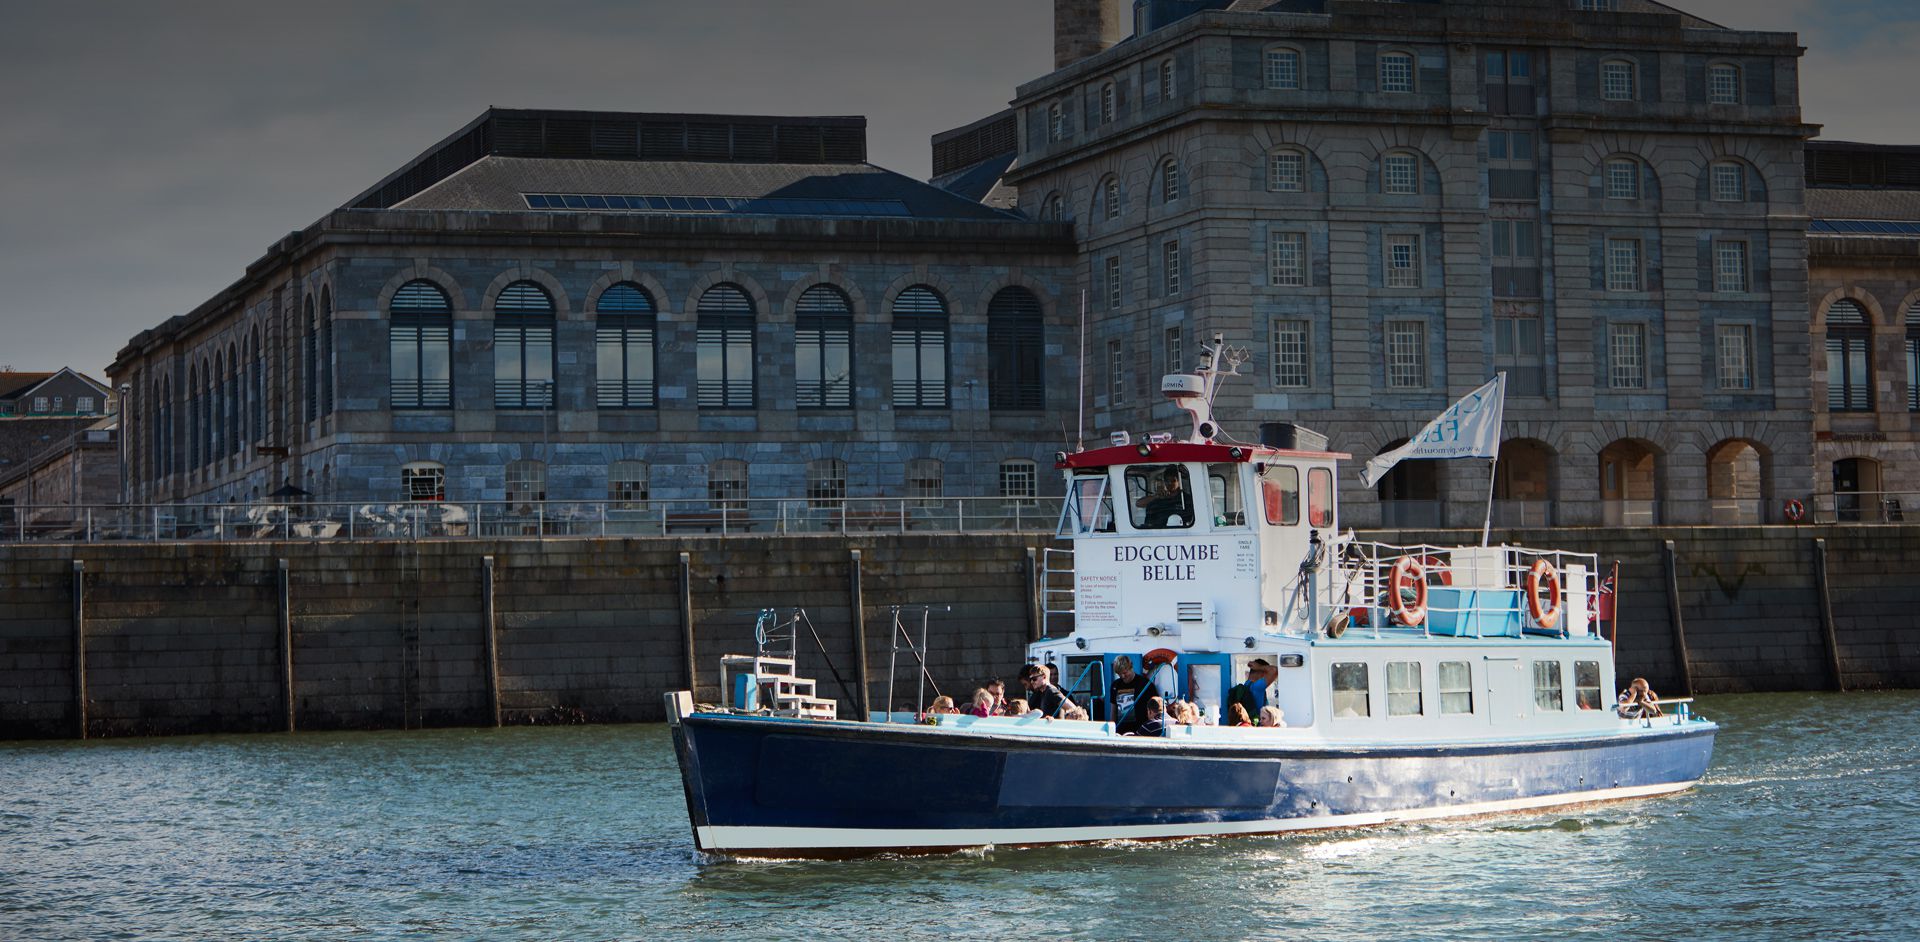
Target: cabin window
[(1160, 497), (1456, 687), (1223, 486), (1546, 685), (1319, 497), (1091, 505), (1403, 688), (1586, 684), (1350, 691), (1280, 491)]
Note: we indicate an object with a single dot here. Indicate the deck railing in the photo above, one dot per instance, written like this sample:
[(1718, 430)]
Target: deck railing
[(1471, 591)]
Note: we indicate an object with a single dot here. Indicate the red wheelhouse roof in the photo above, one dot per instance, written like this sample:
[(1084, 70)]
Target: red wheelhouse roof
[(1145, 453)]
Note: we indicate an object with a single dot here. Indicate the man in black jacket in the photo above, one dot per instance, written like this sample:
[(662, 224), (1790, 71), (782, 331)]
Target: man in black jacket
[(1043, 695), (1130, 691)]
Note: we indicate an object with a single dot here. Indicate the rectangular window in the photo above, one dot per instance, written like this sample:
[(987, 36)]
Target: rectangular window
[(1730, 266), (724, 362), (1292, 363), (1116, 373), (1171, 342), (1456, 687), (522, 362), (925, 478), (1517, 349), (1170, 254), (1497, 143), (1729, 183), (1406, 354), (1286, 256), (420, 353), (1735, 345), (1515, 238), (1319, 498), (1401, 174), (1623, 265), (1396, 72), (1287, 173), (1627, 356), (1403, 688), (1617, 80), (1056, 122), (83, 404), (919, 362), (424, 481), (1113, 283), (1106, 104), (1018, 480), (1280, 493), (1723, 85), (624, 351), (1110, 198), (1546, 686), (1166, 80), (823, 363), (1403, 261), (1350, 690), (1283, 68), (1623, 180), (1586, 685)]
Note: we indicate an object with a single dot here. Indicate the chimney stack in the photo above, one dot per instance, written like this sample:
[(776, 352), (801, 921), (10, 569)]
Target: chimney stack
[(1082, 28)]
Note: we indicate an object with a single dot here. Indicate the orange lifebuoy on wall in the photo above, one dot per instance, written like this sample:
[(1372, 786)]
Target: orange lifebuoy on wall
[(1408, 573), (1159, 656), (1794, 510), (1543, 571)]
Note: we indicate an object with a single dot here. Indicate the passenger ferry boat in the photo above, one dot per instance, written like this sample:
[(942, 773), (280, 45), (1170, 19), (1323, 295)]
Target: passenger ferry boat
[(1414, 682)]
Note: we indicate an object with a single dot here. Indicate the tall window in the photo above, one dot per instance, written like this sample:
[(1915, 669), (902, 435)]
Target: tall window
[(1169, 181), (523, 347), (1350, 690), (1287, 259), (1283, 68), (1619, 80), (1113, 282), (1400, 173), (1110, 198), (1623, 179), (1166, 80), (1019, 480), (1849, 375), (1292, 361), (257, 362), (826, 482), (526, 481), (420, 347), (1056, 122), (1623, 265), (1515, 239), (1913, 357), (1396, 72), (925, 479), (1734, 343), (823, 349), (724, 335), (919, 349), (1107, 103), (1054, 209), (1287, 172), (1586, 685), (1517, 350), (1403, 261), (1723, 84), (727, 484), (1170, 265), (1456, 687), (1172, 342), (1627, 356), (1406, 354), (1730, 266), (1116, 373), (1016, 352), (310, 362), (1403, 689), (1547, 694), (1728, 181), (326, 352), (623, 339), (627, 482)]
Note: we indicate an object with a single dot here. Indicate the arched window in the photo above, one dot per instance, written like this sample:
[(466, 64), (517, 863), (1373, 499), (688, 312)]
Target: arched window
[(623, 331), (526, 481), (1053, 208), (1283, 67), (727, 484), (1167, 84), (1619, 80), (1400, 173), (925, 479), (1913, 357), (919, 349), (1849, 360), (523, 347), (420, 347), (1622, 178), (627, 483), (826, 482), (257, 361), (725, 338), (1108, 195), (309, 361), (217, 408), (823, 349), (1736, 479), (1727, 181), (1169, 181), (230, 383), (1016, 352), (1629, 484), (1723, 84), (423, 480), (326, 357), (1396, 72), (1287, 171)]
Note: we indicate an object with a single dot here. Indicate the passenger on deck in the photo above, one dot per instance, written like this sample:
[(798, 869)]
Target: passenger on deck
[(1270, 715), (982, 703), (1071, 711), (1046, 696), (1130, 690), (1185, 713), (998, 688), (1639, 701), (1017, 707), (1153, 720), (1260, 685), (1237, 715), (943, 705)]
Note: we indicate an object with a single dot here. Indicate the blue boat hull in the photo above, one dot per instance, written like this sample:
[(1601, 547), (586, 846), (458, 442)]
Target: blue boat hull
[(760, 786)]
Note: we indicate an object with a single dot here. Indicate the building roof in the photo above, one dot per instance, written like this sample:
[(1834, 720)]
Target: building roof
[(1827, 203), (504, 184), (14, 384)]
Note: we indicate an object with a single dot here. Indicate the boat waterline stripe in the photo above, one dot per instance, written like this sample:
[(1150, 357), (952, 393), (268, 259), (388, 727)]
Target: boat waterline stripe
[(724, 838)]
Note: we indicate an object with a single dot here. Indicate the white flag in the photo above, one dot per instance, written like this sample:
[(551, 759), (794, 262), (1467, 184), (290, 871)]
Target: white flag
[(1469, 428)]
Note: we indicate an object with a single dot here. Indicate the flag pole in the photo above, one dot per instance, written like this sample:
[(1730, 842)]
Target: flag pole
[(1493, 474), (1081, 443)]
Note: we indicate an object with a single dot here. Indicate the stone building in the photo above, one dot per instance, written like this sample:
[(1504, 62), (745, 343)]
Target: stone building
[(1864, 285), (594, 306), (1389, 202)]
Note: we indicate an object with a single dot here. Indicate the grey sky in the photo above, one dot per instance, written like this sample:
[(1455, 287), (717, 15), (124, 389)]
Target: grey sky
[(151, 150)]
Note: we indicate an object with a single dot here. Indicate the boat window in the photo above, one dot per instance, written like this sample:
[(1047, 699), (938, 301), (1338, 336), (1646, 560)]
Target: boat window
[(1586, 684), (1319, 497), (1280, 491), (1456, 687), (1350, 690), (1089, 506), (1161, 497), (1546, 685), (1223, 485), (1403, 688)]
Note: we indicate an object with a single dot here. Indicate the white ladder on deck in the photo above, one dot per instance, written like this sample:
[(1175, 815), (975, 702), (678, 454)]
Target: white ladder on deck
[(778, 690), (1056, 593)]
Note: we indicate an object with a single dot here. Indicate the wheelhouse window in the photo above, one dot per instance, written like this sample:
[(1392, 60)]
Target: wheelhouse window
[(420, 347), (724, 337), (623, 338), (1456, 687), (1849, 374), (523, 347), (423, 480), (1016, 352), (1089, 506), (1586, 685), (1319, 498), (1350, 690), (1403, 689), (1547, 694), (823, 349), (1159, 497), (1280, 495), (1223, 490), (919, 349)]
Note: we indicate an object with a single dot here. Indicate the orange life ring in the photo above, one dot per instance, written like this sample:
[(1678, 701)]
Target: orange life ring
[(1543, 571), (1441, 572), (1408, 572), (1159, 656), (1794, 510)]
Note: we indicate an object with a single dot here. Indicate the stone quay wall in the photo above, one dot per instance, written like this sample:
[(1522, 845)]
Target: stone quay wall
[(186, 638)]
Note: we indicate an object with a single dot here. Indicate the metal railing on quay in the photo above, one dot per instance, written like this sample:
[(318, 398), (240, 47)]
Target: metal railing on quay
[(1866, 507), (404, 520)]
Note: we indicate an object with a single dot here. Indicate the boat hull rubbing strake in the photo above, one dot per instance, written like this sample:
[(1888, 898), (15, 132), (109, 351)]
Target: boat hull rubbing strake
[(774, 787)]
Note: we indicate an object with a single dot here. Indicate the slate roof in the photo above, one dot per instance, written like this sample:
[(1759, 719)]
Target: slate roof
[(1835, 203), (981, 182), (13, 384), (498, 184)]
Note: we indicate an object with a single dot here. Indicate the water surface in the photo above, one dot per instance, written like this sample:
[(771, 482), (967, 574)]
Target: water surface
[(1808, 827)]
